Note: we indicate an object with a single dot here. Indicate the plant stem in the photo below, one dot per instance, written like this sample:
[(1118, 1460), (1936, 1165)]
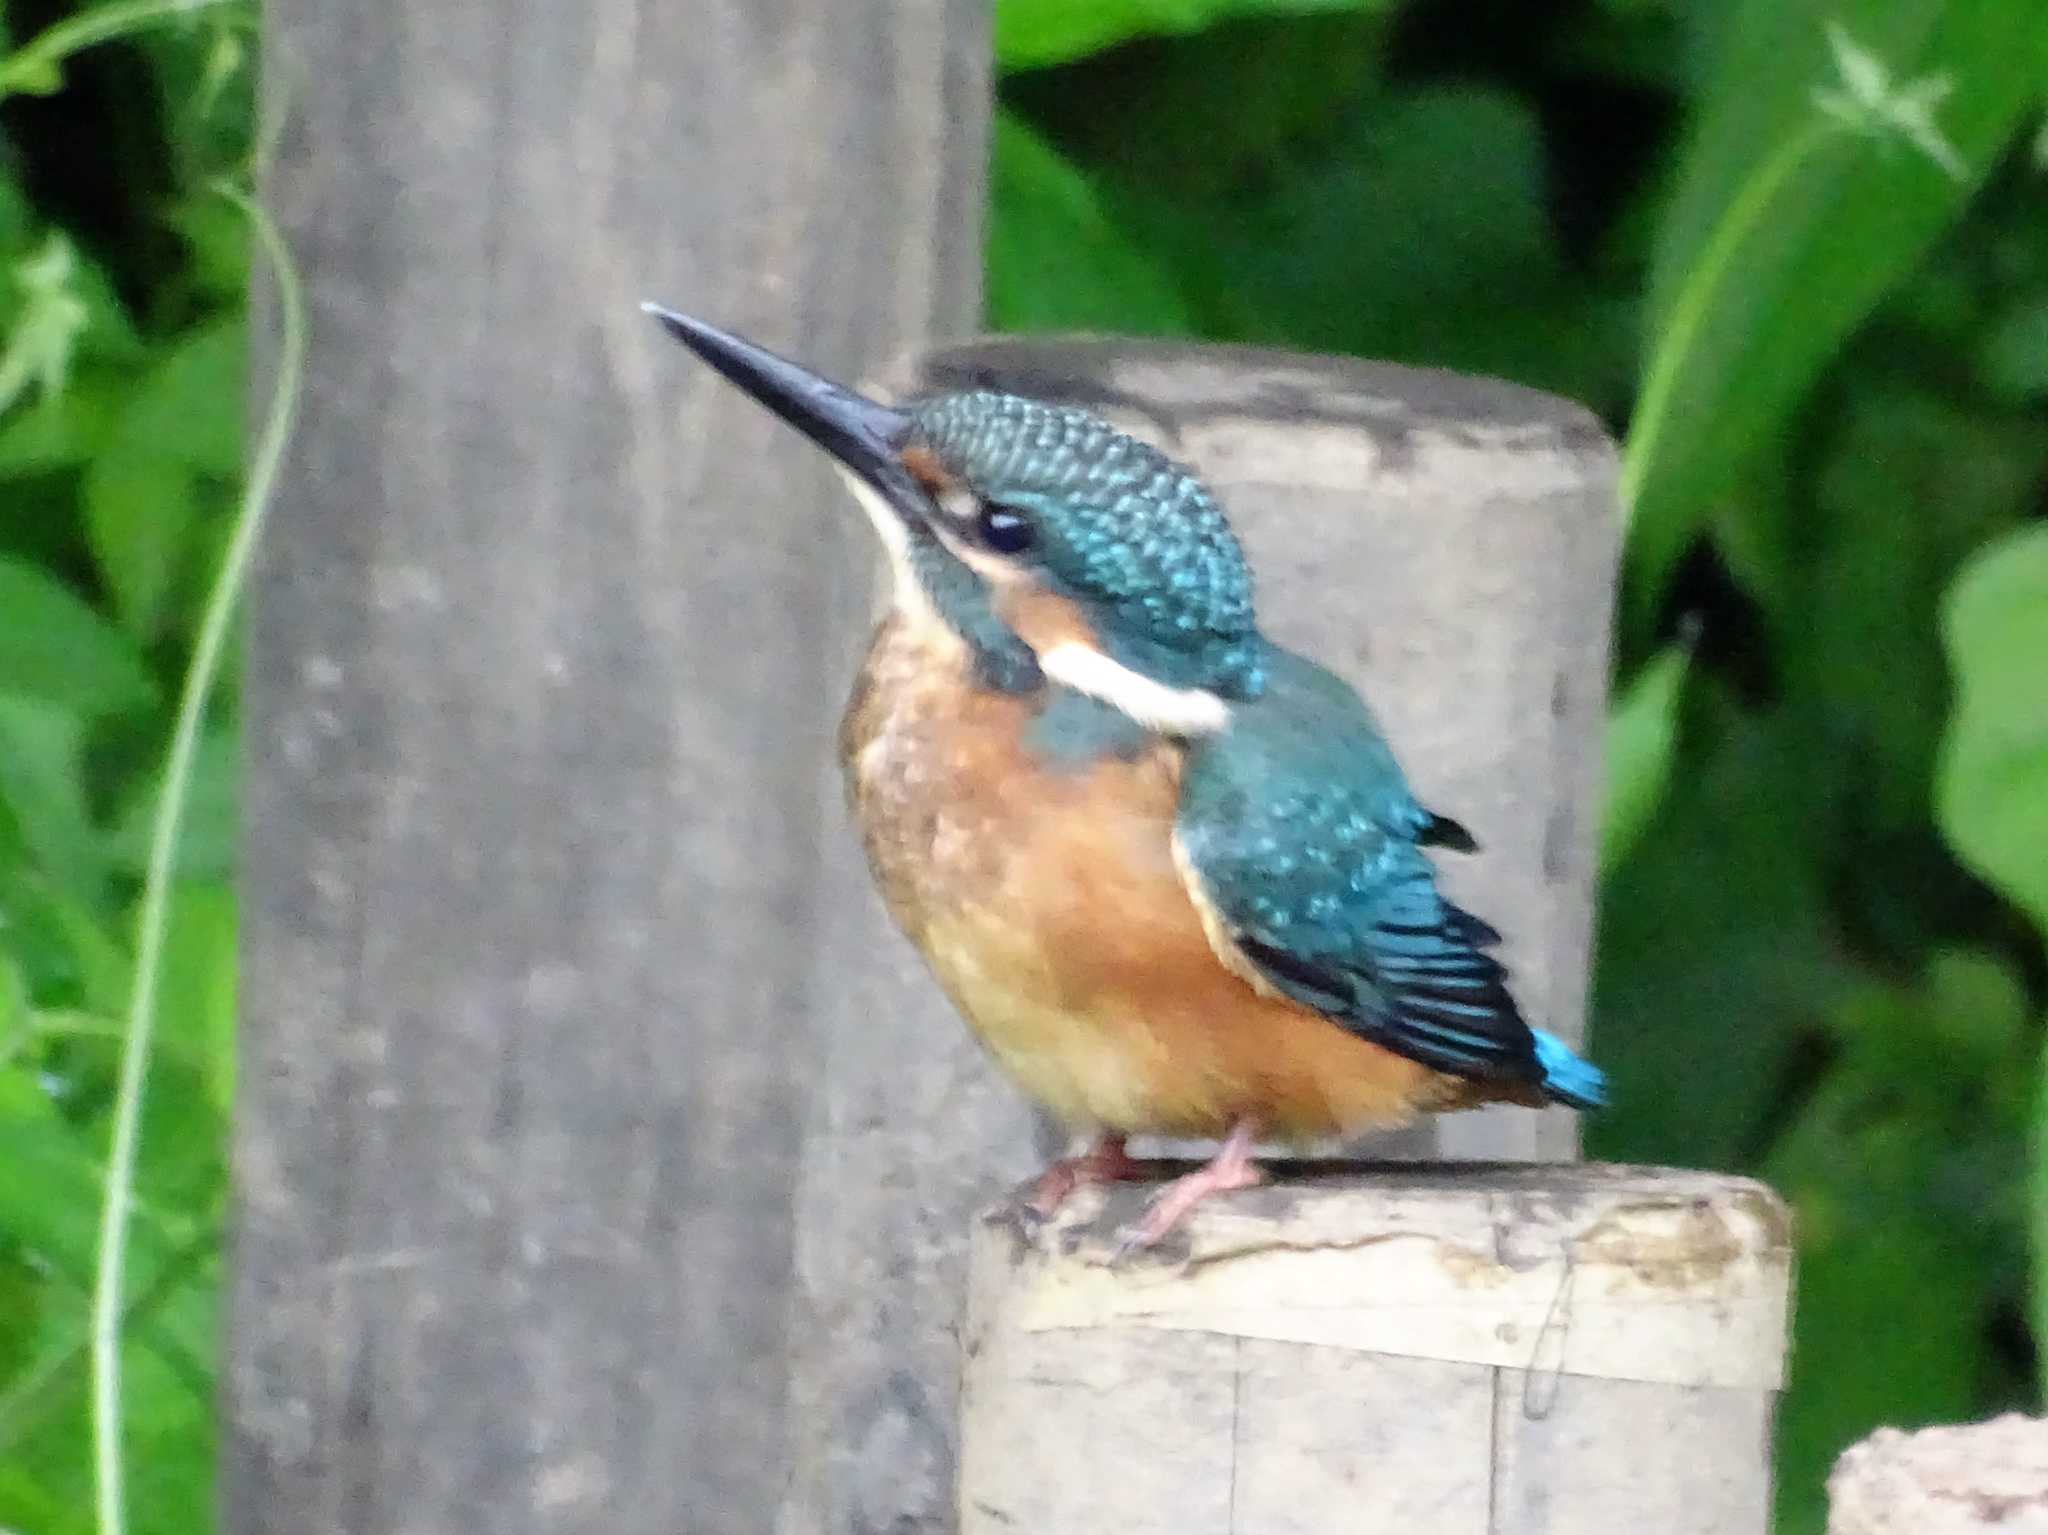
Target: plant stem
[(1695, 295), (36, 1395), (154, 916), (2038, 1219), (33, 66)]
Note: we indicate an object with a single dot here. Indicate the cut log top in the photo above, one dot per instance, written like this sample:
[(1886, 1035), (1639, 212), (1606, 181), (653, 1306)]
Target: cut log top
[(1575, 1348), (1945, 1481), (1627, 1273)]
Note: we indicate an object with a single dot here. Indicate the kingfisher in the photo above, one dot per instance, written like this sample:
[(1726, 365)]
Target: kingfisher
[(1168, 871)]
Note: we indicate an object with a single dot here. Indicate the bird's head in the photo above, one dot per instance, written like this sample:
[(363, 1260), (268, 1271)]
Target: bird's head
[(1049, 543)]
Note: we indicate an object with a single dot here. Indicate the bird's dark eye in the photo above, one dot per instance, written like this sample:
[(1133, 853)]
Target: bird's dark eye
[(1005, 529)]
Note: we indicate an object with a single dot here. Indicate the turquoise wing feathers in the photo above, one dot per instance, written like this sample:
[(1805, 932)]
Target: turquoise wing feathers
[(1300, 837)]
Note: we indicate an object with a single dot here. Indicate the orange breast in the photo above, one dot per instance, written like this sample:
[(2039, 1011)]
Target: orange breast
[(1047, 904)]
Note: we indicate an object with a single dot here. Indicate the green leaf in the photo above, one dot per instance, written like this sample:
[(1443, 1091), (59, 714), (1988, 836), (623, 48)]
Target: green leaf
[(181, 1168), (26, 1504), (15, 1020), (109, 335), (1992, 797), (196, 991), (1216, 113), (1640, 42), (1904, 1169), (102, 964), (1862, 1268), (49, 1206), (45, 1409), (2013, 359), (207, 847), (1756, 529), (35, 65), (1901, 486), (143, 492), (66, 948), (1416, 229), (167, 1432), (1422, 212), (1714, 953), (39, 348), (17, 217), (42, 785), (21, 1296), (190, 405), (1032, 33), (55, 647), (141, 509), (59, 431), (1977, 1011), (1844, 219), (1056, 260), (218, 239), (32, 77), (67, 311), (2037, 1224), (1642, 730)]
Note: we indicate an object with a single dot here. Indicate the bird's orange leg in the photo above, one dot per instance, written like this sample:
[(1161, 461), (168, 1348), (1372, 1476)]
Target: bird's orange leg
[(1231, 1168), (1104, 1162)]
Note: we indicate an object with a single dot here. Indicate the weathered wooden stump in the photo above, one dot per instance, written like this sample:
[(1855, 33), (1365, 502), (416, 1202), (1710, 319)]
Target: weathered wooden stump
[(1479, 1350), (536, 703), (1963, 1479)]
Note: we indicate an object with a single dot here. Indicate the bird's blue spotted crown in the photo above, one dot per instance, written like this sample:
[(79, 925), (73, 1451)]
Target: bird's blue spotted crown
[(1122, 529)]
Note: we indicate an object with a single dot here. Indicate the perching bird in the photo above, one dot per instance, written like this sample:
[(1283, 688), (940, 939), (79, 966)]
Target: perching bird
[(1169, 871)]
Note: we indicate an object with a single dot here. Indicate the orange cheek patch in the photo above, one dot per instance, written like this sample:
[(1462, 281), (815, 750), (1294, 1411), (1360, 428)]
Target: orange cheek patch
[(1043, 619), (925, 468)]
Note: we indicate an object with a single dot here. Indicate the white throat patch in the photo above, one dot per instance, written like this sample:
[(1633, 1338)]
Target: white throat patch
[(907, 593), (1168, 710)]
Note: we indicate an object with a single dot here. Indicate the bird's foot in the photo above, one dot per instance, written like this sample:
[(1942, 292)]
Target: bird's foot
[(1231, 1168), (1104, 1162)]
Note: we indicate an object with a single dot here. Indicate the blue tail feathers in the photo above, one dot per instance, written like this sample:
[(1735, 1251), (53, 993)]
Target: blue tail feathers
[(1566, 1077)]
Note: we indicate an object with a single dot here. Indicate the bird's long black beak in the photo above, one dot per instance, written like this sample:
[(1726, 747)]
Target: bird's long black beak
[(862, 434)]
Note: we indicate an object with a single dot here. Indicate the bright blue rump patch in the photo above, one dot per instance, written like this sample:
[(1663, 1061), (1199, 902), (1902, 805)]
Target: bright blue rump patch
[(1566, 1077)]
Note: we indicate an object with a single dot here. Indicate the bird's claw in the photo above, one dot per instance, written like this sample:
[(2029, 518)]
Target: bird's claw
[(1105, 1162), (1231, 1168), (1131, 1241)]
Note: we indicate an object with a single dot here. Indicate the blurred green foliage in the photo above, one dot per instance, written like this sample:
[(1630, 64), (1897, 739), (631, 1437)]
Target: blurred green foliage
[(122, 346), (1734, 227)]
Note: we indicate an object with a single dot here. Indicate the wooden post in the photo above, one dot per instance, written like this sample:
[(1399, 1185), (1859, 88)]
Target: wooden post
[(1473, 1351), (1953, 1479), (538, 698)]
